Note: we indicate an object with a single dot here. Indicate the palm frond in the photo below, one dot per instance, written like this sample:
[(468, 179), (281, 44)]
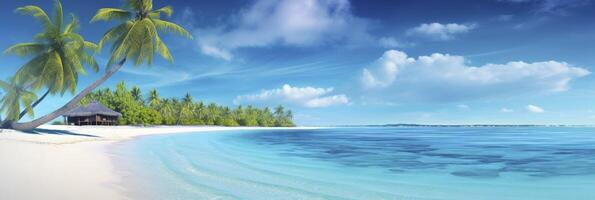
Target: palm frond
[(167, 11), (162, 49), (75, 41), (26, 49), (73, 26), (115, 33), (130, 43), (133, 4), (70, 75), (108, 14), (58, 15), (91, 46), (166, 26), (53, 69), (31, 71), (37, 13), (147, 5), (28, 98), (90, 61)]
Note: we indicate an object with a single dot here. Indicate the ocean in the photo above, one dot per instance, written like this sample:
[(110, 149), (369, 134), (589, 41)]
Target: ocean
[(456, 163)]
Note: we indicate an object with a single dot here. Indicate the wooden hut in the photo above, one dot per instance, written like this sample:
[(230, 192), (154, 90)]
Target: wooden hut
[(92, 114)]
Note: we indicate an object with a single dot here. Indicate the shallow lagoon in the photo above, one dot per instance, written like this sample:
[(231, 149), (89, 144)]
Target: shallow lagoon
[(366, 163)]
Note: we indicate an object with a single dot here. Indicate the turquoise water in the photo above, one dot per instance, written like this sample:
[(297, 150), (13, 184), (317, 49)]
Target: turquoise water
[(366, 163)]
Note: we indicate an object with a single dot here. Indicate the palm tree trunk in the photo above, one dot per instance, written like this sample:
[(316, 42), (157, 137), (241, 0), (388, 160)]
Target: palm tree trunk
[(70, 105), (178, 117), (24, 112)]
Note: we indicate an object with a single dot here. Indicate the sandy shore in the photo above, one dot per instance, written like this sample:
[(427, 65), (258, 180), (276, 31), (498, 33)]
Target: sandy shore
[(67, 162)]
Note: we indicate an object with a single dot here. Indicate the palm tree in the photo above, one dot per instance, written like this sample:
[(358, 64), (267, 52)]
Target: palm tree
[(167, 110), (137, 94), (199, 110), (186, 107), (57, 54), (153, 100), (178, 109), (279, 114), (135, 39), (15, 97), (279, 111)]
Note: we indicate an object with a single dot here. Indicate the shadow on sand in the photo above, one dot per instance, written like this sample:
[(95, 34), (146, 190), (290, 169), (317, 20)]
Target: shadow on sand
[(57, 132)]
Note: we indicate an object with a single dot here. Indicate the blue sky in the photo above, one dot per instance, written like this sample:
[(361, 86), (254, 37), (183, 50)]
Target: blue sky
[(365, 61)]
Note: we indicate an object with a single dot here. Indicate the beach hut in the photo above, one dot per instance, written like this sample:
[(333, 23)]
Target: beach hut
[(92, 114)]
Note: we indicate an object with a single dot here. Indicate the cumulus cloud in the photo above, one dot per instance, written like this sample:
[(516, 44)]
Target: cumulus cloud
[(443, 77), (534, 109), (302, 96), (440, 31), (284, 22)]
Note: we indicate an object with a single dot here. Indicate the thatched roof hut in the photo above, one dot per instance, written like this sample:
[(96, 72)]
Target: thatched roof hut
[(92, 114)]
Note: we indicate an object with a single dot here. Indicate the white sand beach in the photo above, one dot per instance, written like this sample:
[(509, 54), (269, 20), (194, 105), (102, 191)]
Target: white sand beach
[(68, 162)]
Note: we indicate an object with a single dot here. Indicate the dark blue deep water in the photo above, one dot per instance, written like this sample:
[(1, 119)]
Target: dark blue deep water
[(371, 163)]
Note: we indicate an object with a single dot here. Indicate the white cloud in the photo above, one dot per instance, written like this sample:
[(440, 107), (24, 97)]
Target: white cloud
[(506, 110), (463, 106), (305, 96), (534, 109), (390, 42), (284, 22), (552, 6), (215, 52), (442, 77), (440, 31)]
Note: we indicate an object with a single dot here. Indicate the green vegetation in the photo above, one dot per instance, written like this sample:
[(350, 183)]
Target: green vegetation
[(58, 55), (154, 110), (57, 123)]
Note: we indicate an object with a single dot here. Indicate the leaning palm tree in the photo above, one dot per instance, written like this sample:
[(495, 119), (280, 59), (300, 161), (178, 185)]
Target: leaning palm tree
[(135, 39), (58, 54), (15, 97)]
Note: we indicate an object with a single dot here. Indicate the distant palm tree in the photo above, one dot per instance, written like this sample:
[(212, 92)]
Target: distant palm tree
[(167, 110), (57, 54), (15, 97), (200, 112), (186, 107), (153, 100), (279, 111), (136, 94), (135, 39)]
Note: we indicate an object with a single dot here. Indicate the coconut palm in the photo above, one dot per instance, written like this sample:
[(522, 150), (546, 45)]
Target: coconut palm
[(153, 100), (137, 94), (136, 39), (186, 108), (58, 54), (15, 97)]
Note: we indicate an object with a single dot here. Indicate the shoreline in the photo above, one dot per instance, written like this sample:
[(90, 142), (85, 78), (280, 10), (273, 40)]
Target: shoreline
[(74, 162)]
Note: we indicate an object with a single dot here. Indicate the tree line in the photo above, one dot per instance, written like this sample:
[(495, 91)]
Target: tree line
[(152, 109)]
